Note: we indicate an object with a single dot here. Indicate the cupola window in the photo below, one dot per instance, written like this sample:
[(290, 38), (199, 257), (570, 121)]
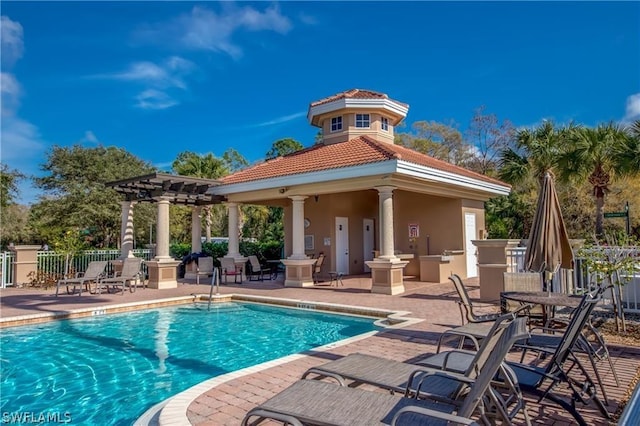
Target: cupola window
[(336, 124), (384, 124), (363, 121)]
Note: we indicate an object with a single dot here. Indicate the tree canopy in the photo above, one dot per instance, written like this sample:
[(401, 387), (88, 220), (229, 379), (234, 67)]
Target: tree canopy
[(76, 195), (283, 147)]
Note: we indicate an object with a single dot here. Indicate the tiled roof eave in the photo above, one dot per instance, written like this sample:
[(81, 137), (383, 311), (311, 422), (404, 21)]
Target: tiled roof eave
[(371, 169), (324, 175)]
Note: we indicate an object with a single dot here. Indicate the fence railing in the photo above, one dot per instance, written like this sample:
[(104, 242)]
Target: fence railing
[(580, 278), (55, 264)]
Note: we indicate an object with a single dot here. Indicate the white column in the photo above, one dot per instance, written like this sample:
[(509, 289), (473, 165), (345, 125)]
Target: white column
[(196, 230), (162, 229), (297, 227), (126, 229), (233, 249), (385, 197)]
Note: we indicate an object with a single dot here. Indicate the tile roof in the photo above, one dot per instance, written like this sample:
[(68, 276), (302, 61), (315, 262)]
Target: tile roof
[(353, 94), (354, 152)]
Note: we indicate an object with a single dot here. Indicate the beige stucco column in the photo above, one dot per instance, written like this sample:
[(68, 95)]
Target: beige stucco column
[(25, 261), (233, 248), (162, 229), (163, 271), (492, 264), (126, 229), (385, 212), (196, 230), (299, 268), (386, 269)]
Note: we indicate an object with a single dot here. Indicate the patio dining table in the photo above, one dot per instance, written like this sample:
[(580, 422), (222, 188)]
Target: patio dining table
[(548, 300)]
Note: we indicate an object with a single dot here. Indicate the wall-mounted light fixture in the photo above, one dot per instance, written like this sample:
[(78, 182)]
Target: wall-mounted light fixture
[(283, 190), (316, 197)]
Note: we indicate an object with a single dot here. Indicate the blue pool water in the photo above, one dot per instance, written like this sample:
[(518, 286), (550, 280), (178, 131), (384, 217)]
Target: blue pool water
[(110, 369)]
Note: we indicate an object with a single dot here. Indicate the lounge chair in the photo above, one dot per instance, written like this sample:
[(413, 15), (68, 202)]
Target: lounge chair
[(228, 268), (257, 270), (93, 273), (560, 361), (205, 268), (396, 376), (129, 275), (313, 402)]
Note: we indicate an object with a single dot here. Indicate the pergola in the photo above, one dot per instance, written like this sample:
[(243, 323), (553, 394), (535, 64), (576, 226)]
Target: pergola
[(182, 190), (163, 189)]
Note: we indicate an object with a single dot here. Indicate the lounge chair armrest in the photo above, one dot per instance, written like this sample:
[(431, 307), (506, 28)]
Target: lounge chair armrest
[(268, 414), (432, 414), (420, 374), (447, 355)]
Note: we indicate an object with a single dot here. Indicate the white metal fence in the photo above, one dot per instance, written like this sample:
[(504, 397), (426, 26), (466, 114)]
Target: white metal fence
[(54, 263), (576, 280)]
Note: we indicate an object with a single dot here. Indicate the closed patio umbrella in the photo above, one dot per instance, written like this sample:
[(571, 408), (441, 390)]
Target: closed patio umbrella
[(548, 247)]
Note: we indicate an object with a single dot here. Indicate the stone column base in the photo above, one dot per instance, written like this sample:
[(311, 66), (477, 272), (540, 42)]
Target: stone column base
[(386, 276), (163, 273), (299, 272)]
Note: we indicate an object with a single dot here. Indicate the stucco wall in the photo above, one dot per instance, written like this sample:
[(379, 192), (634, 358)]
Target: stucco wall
[(440, 221)]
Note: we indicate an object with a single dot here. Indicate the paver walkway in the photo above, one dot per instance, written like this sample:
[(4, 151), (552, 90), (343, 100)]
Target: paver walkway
[(227, 403)]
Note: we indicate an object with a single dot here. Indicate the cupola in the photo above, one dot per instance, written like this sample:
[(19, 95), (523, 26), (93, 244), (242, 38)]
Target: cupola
[(354, 113)]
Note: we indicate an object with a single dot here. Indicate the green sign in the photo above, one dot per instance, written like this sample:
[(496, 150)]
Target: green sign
[(616, 214)]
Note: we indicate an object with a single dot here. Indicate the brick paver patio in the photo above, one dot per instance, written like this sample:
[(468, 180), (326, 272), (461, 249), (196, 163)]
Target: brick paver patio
[(227, 403)]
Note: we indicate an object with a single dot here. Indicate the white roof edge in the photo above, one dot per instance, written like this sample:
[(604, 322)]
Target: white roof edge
[(327, 175), (388, 104), (416, 170)]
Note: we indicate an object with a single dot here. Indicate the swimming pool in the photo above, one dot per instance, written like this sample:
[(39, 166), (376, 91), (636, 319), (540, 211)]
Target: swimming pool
[(109, 369)]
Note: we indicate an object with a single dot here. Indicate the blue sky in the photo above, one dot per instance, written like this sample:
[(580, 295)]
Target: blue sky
[(159, 78)]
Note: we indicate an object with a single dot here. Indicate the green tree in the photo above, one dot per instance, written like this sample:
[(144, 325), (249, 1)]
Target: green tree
[(76, 195), (600, 155), (283, 147), (9, 185), (441, 141), (534, 152), (14, 226), (206, 166), (234, 160)]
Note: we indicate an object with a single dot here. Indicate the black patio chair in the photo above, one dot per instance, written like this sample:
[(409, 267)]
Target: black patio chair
[(466, 306), (542, 380)]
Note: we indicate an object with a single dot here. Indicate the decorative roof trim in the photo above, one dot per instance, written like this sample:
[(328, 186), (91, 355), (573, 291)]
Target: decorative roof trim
[(398, 109), (418, 171)]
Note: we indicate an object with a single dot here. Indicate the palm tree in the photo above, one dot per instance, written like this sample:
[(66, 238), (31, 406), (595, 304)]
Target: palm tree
[(205, 166), (537, 151), (600, 155)]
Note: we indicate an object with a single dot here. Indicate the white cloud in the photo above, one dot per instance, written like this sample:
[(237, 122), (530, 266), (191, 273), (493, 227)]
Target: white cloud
[(90, 137), (632, 111), (156, 79), (11, 91), (170, 73), (280, 120), (204, 29), (154, 99), (11, 34), (22, 145)]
